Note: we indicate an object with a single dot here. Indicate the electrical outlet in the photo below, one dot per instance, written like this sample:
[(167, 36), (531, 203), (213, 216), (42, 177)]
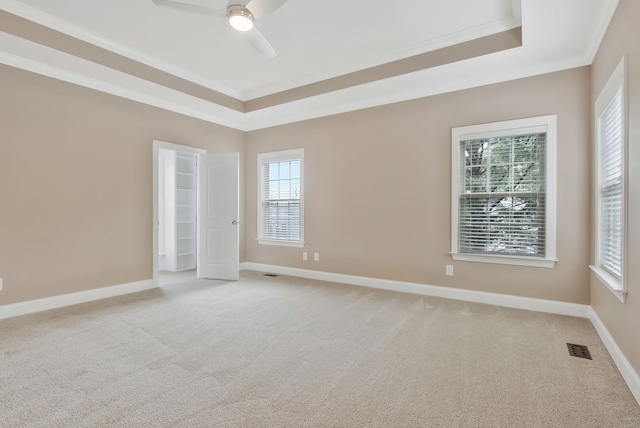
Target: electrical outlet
[(449, 270), (304, 255), (0, 284), (316, 256)]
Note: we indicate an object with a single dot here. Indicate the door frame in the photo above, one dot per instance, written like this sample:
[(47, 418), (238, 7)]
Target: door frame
[(157, 145)]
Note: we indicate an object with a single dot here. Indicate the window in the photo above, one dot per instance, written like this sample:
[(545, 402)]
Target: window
[(280, 204), (610, 182), (503, 192)]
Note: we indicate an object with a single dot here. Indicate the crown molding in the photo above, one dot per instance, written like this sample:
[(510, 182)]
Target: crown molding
[(396, 55), (600, 29), (47, 20), (129, 87), (399, 89), (421, 84)]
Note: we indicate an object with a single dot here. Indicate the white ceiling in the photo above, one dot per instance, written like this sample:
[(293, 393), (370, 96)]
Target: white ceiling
[(315, 40)]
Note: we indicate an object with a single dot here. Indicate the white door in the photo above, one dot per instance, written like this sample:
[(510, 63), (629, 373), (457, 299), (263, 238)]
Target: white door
[(218, 236)]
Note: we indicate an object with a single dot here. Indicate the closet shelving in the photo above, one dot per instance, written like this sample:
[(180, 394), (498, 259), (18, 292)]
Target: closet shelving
[(185, 211), (179, 211)]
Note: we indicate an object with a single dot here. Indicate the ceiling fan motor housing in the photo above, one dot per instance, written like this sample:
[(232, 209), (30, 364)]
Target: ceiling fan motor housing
[(240, 17)]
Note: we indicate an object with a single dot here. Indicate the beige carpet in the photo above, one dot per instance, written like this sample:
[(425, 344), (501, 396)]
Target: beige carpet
[(271, 352)]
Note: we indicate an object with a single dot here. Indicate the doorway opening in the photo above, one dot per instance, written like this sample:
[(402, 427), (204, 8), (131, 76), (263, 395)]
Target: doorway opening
[(195, 212), (175, 187)]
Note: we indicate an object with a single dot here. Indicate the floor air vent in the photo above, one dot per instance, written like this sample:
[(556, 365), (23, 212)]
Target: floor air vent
[(272, 275), (579, 351)]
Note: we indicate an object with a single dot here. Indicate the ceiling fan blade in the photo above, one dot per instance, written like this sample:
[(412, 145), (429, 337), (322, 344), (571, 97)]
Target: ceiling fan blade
[(260, 43), (263, 7), (190, 7)]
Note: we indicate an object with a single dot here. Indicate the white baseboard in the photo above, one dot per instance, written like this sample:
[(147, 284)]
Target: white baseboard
[(540, 305), (624, 366), (32, 306)]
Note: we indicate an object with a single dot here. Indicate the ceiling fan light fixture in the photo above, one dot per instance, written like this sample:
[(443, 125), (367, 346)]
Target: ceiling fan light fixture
[(240, 18)]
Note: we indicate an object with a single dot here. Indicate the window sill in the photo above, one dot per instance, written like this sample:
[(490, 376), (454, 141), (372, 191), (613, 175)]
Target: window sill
[(298, 244), (505, 260), (612, 283)]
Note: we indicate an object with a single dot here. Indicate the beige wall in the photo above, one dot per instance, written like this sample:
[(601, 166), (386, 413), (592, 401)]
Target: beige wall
[(378, 183), (75, 178), (76, 184), (623, 319)]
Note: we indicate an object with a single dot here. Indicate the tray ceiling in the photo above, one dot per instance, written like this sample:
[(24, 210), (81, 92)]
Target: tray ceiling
[(333, 56)]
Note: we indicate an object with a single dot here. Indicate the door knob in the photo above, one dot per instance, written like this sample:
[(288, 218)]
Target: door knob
[(234, 222)]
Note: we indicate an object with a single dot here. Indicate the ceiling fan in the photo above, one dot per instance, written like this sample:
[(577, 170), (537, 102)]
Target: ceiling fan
[(241, 15)]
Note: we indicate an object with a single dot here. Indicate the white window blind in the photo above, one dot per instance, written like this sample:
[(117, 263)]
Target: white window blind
[(280, 211), (503, 201), (502, 198), (610, 211), (611, 166)]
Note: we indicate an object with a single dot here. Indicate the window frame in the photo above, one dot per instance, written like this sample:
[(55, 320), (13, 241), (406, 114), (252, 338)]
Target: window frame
[(616, 83), (272, 157), (508, 128)]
